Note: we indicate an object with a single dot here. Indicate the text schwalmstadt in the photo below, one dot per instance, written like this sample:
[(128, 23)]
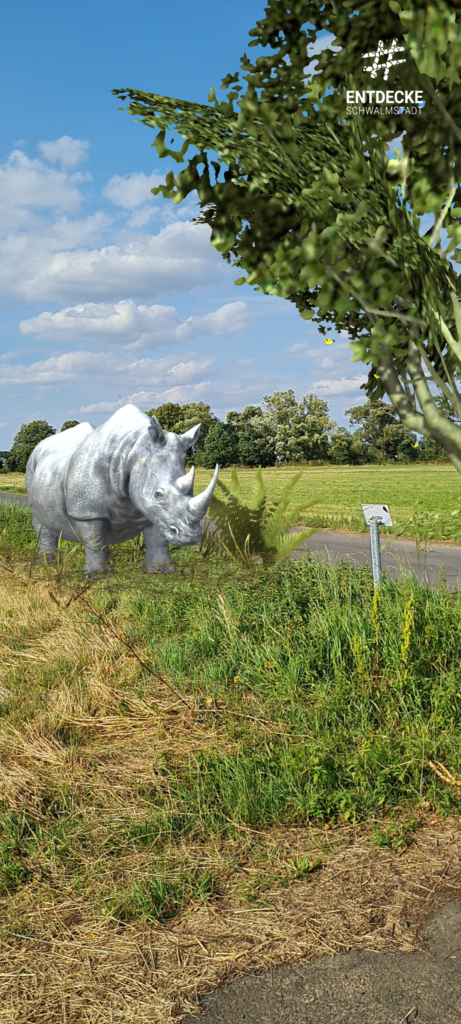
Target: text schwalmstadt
[(396, 99)]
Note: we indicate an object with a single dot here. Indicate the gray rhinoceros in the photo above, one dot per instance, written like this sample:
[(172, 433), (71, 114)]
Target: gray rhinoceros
[(106, 485)]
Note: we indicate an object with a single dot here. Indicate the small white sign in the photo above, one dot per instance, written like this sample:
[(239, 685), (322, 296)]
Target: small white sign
[(377, 513)]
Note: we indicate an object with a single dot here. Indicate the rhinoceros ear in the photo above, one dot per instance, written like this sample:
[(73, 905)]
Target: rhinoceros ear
[(190, 437), (155, 431)]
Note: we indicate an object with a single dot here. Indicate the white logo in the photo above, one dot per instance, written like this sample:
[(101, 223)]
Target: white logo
[(380, 53)]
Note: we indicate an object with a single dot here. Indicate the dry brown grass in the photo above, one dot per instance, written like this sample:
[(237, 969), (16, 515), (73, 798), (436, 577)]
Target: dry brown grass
[(79, 967), (66, 957)]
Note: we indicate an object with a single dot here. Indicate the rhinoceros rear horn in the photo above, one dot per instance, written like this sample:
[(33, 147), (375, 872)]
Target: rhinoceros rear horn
[(198, 506), (185, 483), (155, 431)]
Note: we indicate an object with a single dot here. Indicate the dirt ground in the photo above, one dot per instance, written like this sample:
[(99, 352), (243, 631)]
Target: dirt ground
[(357, 988), (389, 931), (362, 905)]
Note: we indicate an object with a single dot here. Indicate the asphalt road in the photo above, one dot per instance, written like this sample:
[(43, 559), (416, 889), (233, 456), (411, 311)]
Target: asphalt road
[(399, 556), (13, 499), (353, 988)]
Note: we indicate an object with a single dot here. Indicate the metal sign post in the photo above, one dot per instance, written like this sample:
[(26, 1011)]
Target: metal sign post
[(376, 516)]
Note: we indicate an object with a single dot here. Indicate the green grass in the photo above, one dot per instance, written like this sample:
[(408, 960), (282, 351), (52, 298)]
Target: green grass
[(337, 493), (311, 701), (16, 527), (13, 483)]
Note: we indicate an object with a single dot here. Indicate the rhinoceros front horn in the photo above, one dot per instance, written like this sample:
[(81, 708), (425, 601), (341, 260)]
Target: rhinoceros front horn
[(198, 506)]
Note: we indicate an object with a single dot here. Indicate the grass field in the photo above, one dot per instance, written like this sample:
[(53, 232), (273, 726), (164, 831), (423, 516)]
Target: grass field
[(13, 482), (337, 493), (160, 739)]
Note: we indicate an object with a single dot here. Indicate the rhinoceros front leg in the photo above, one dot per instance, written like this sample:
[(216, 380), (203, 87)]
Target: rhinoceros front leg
[(93, 535), (157, 557), (47, 541)]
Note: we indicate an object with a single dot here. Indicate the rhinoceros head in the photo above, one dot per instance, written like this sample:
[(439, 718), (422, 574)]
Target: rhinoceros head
[(162, 490)]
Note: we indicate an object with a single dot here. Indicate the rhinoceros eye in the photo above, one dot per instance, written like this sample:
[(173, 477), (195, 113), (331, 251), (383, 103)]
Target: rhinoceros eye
[(158, 494)]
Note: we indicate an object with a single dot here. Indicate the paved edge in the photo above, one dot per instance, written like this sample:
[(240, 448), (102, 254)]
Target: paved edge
[(11, 498)]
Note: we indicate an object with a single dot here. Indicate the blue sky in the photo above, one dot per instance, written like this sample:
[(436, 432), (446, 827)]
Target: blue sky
[(108, 294)]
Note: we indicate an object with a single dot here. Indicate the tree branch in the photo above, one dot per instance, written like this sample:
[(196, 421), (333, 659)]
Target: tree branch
[(403, 405), (377, 314), (410, 417), (454, 345), (441, 429), (438, 102), (435, 233)]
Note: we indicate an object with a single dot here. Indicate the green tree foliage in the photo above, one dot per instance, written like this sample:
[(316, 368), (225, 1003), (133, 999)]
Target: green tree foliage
[(255, 447), (250, 414), (283, 430), (432, 452), (68, 424), (168, 415), (310, 207), (221, 445), (300, 428), (198, 412), (383, 436), (346, 448), (27, 438), (179, 418), (256, 437)]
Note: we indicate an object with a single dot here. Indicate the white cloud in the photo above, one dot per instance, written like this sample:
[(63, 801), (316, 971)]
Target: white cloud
[(178, 258), (300, 346), (136, 327), (139, 398), (107, 367), (179, 393), (344, 386), (245, 362), (186, 371), (66, 151), (132, 190), (29, 183), (140, 217), (47, 255), (229, 319)]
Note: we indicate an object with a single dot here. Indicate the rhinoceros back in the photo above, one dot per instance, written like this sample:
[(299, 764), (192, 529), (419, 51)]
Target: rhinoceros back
[(58, 444), (47, 469), (97, 476)]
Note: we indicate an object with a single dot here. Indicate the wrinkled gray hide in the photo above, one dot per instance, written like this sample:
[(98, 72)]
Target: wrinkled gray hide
[(106, 485)]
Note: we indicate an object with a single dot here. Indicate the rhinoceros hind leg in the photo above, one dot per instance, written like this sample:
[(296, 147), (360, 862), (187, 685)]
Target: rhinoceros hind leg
[(157, 557), (47, 542)]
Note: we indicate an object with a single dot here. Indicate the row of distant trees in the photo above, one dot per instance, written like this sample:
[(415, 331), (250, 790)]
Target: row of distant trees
[(280, 430)]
